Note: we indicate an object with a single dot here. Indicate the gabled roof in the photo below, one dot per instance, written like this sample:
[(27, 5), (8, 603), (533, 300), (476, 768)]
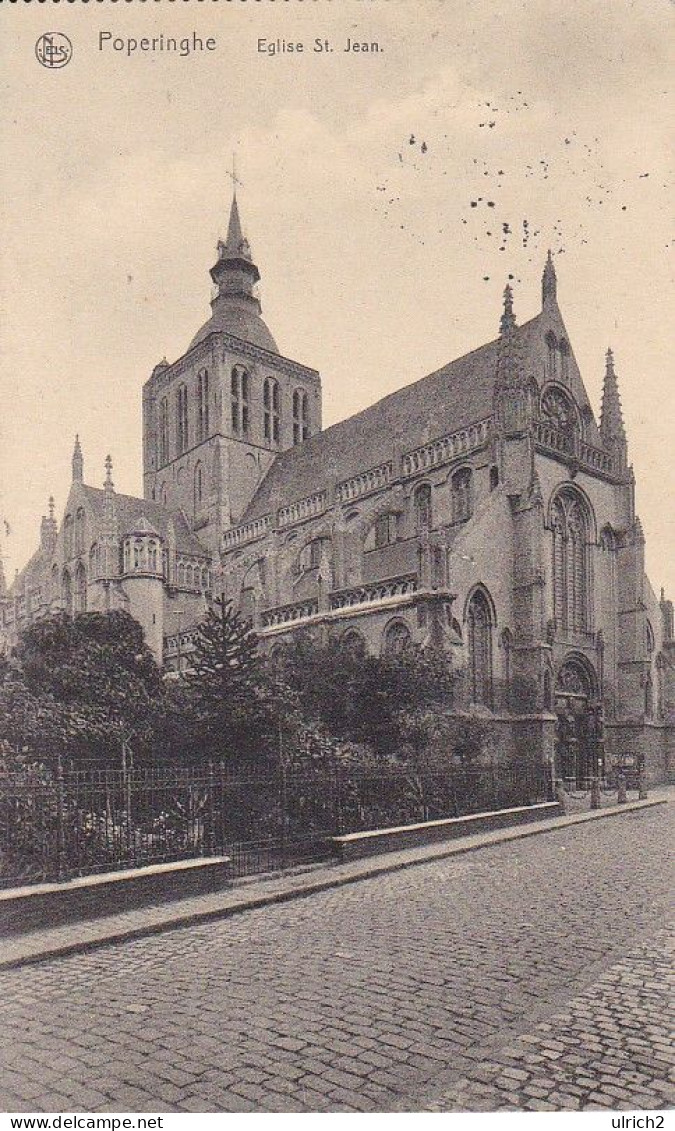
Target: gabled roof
[(451, 398), (130, 512)]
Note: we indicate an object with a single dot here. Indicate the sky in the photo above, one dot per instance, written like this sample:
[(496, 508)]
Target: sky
[(387, 198)]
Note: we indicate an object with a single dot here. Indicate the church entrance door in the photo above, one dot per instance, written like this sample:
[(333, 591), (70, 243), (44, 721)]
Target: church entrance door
[(578, 746)]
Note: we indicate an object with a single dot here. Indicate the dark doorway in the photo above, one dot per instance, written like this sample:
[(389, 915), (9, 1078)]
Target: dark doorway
[(578, 731)]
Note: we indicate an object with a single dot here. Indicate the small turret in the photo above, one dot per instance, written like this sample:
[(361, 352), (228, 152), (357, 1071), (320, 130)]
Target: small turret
[(48, 529), (511, 388), (78, 462), (612, 430), (549, 284)]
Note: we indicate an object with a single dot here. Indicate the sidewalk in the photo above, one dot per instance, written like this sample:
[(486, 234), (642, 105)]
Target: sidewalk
[(279, 888)]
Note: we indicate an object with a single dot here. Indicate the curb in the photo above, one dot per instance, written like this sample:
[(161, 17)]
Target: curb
[(360, 870)]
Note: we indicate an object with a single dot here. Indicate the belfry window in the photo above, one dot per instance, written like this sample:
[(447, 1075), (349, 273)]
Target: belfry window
[(271, 410), (163, 453), (570, 522), (203, 404), (462, 495), (300, 416), (239, 389), (181, 419), (479, 624)]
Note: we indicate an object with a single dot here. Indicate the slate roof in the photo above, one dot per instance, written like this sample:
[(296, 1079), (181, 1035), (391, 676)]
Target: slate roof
[(131, 510), (451, 398)]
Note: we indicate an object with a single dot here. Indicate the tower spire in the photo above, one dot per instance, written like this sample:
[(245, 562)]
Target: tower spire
[(77, 462), (511, 397), (549, 283), (612, 428)]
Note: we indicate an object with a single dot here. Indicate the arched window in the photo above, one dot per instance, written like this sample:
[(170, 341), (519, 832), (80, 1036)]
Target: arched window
[(188, 576), (205, 579), (94, 561), (138, 554), (462, 495), (312, 553), (479, 634), (353, 642), (163, 494), (300, 416), (55, 582), (152, 556), (551, 355), (181, 419), (181, 573), (423, 510), (649, 696), (384, 531), (67, 592), (239, 396), (198, 488), (68, 536), (203, 404), (570, 521), (127, 557), (79, 530), (163, 453), (564, 348), (559, 411), (271, 410), (80, 595), (494, 478), (396, 638)]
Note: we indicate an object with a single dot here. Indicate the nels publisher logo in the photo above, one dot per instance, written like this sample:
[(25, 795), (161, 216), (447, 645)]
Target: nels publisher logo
[(53, 50)]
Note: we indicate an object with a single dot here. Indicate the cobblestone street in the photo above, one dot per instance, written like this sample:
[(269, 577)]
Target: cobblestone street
[(530, 974)]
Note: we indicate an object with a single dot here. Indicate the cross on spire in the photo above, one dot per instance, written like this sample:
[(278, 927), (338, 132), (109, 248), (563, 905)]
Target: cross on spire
[(233, 175)]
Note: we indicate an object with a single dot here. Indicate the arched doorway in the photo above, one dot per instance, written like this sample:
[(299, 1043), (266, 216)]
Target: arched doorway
[(579, 748)]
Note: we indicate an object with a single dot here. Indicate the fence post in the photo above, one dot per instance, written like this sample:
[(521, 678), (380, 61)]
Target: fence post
[(210, 832), (621, 788), (595, 793), (60, 827)]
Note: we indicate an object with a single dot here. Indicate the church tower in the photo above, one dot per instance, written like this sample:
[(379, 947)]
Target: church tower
[(215, 419)]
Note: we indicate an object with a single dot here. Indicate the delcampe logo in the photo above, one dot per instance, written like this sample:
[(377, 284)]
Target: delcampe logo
[(53, 50)]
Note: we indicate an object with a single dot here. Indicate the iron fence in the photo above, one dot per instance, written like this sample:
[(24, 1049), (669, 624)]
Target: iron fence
[(56, 824)]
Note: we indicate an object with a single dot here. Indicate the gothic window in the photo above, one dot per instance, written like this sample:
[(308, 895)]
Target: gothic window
[(353, 642), (462, 501), (423, 511), (271, 410), (80, 595), (649, 697), (55, 582), (68, 536), (384, 532), (163, 494), (479, 626), (239, 388), (181, 419), (138, 554), (310, 556), (205, 579), (181, 573), (557, 409), (300, 416), (127, 557), (67, 592), (188, 576), (551, 352), (198, 488), (396, 639), (79, 531), (203, 404), (571, 587), (564, 348), (163, 431), (494, 478), (152, 557), (650, 639)]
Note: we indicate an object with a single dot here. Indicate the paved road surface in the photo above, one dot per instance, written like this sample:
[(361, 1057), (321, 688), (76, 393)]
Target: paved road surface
[(424, 988)]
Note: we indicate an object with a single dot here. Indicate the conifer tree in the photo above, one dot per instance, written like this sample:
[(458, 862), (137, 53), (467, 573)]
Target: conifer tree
[(226, 668)]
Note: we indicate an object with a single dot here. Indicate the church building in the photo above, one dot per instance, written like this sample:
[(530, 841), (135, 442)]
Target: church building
[(482, 509)]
